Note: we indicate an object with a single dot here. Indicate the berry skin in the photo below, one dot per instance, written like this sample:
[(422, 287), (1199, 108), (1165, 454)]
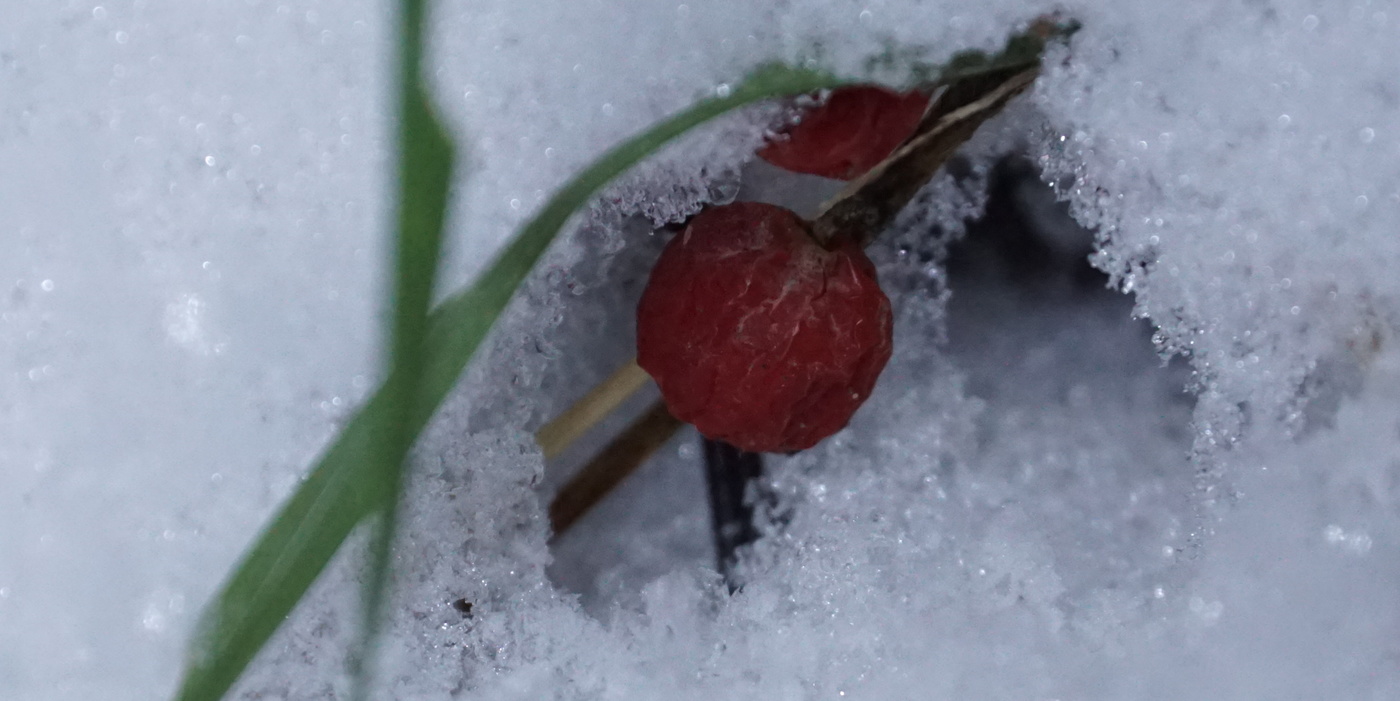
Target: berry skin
[(849, 134), (759, 336)]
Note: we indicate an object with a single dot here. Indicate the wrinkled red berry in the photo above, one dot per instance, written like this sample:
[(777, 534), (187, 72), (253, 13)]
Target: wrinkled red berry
[(849, 134), (759, 336)]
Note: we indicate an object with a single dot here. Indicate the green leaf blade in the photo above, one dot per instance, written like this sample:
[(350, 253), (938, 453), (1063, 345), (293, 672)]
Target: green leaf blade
[(425, 177), (347, 484), (287, 558)]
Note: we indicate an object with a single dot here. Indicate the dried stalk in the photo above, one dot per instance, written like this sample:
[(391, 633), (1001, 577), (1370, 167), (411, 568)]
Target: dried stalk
[(555, 436), (869, 203), (862, 210), (609, 467)]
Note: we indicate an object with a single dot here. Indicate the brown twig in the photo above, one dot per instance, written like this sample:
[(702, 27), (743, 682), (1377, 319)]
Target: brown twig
[(862, 210), (869, 203), (734, 480), (614, 463)]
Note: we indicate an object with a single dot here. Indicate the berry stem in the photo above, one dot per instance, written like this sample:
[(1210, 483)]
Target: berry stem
[(864, 208), (971, 95), (868, 204), (729, 472)]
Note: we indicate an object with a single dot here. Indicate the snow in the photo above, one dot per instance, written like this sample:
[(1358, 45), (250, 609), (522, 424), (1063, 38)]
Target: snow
[(1034, 503)]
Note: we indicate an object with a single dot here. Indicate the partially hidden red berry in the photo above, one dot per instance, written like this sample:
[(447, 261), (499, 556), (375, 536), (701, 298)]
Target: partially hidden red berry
[(758, 335), (850, 133)]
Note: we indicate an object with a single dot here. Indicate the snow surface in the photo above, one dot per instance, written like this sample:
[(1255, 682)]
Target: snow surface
[(192, 212)]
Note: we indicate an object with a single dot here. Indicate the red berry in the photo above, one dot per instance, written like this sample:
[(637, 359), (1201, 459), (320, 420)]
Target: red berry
[(757, 334), (849, 134)]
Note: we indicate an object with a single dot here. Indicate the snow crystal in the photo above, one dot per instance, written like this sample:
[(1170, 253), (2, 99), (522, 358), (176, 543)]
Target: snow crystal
[(1057, 490)]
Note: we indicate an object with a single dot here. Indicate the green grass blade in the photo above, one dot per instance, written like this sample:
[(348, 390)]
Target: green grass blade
[(345, 486), (330, 503), (424, 177), (454, 325)]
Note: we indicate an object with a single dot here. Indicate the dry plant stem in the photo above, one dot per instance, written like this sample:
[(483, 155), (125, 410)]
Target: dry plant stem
[(733, 478), (556, 436), (868, 204), (865, 207), (613, 464)]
